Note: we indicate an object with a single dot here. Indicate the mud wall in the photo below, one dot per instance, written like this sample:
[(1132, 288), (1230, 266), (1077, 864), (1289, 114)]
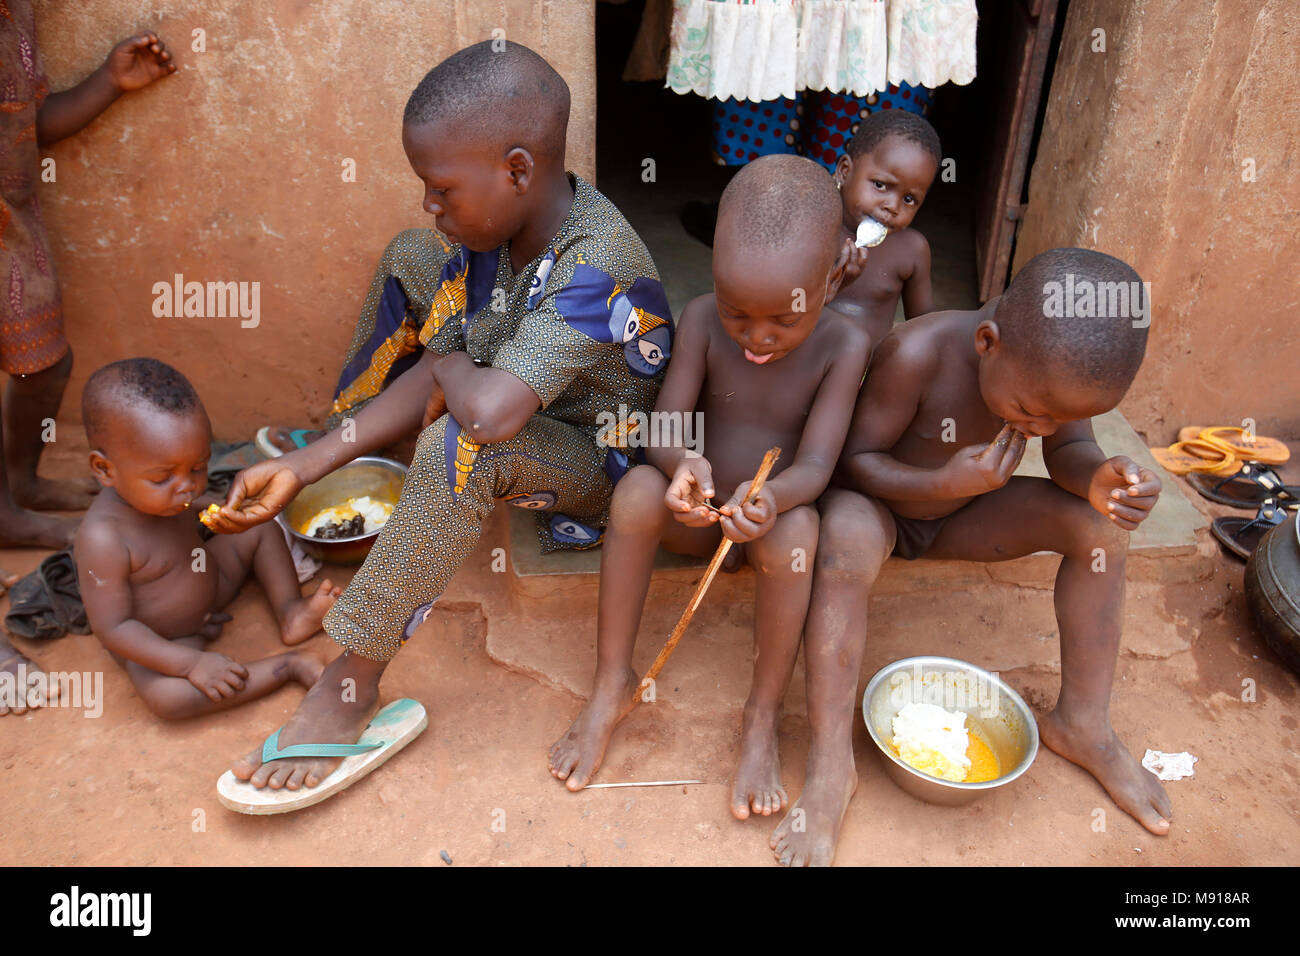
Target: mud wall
[(232, 170), (1175, 149)]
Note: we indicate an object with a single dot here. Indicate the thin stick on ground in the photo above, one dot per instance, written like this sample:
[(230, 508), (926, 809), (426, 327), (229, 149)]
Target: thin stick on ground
[(641, 783), (723, 547)]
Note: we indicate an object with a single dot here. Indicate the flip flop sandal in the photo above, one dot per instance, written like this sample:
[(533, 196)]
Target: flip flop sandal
[(1265, 450), (1184, 457), (268, 448), (1248, 488), (388, 732), (1241, 536)]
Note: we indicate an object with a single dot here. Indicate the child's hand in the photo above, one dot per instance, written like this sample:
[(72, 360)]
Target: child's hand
[(979, 469), (1124, 491), (856, 263), (217, 676), (257, 494), (689, 492), (752, 519), (138, 61)]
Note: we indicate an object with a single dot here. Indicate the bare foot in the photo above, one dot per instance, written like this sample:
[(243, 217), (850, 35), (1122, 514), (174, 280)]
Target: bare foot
[(757, 785), (51, 494), (20, 528), (303, 619), (808, 834), (13, 661), (576, 756), (1133, 788), (326, 715)]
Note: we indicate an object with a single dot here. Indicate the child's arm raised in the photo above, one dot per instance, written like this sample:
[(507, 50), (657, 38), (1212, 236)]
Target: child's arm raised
[(1117, 487), (900, 372), (918, 296), (103, 568), (134, 63)]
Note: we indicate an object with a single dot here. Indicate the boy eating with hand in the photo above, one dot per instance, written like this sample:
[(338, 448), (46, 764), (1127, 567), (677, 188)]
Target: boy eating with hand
[(536, 309), (883, 176), (153, 590), (765, 365), (942, 422)]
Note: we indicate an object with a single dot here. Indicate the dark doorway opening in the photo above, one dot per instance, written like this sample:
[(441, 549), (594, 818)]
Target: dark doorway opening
[(653, 152)]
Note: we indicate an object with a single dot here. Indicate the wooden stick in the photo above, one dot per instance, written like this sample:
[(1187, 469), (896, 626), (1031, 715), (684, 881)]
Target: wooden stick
[(723, 547)]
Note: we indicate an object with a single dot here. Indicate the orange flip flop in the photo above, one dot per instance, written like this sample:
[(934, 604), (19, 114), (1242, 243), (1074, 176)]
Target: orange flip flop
[(1197, 455), (1265, 450)]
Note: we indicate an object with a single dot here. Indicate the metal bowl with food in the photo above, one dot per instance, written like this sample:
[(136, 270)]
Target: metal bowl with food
[(995, 714), (377, 479)]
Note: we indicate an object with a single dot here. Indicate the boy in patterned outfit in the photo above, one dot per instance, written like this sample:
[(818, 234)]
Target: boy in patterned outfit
[(540, 310)]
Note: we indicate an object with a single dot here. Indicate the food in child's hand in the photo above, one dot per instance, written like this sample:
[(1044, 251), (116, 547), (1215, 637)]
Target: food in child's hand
[(357, 516), (937, 742), (871, 233), (208, 514)]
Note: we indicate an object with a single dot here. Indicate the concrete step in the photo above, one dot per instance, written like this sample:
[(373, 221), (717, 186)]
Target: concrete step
[(1170, 532), (1000, 615)]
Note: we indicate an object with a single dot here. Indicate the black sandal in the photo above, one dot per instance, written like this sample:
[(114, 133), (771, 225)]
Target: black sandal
[(1248, 488), (1242, 536)]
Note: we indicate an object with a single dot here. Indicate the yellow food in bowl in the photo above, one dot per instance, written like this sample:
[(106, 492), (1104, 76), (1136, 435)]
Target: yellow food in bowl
[(983, 762), (938, 743)]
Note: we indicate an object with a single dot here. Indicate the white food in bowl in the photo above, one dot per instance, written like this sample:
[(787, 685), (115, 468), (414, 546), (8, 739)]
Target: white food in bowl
[(933, 740)]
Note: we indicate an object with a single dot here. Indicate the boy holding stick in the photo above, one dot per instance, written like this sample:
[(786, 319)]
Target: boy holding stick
[(764, 365)]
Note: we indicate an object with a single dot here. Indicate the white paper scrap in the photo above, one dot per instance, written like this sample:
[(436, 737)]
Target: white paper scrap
[(1169, 766)]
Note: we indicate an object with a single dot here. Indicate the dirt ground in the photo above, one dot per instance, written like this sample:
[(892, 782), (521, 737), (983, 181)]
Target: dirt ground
[(126, 788)]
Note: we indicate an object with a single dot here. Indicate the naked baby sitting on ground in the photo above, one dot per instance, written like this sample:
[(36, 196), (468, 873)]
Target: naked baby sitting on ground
[(153, 589)]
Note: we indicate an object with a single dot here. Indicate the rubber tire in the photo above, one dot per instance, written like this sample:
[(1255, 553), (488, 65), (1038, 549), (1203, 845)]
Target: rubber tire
[(1272, 585)]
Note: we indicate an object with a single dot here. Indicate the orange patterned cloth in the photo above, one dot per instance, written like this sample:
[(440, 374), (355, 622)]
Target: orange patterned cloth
[(31, 316)]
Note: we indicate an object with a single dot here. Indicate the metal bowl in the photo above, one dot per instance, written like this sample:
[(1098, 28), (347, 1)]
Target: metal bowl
[(379, 478), (997, 713)]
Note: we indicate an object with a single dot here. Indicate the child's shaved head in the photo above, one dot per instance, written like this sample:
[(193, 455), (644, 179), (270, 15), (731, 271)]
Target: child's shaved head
[(508, 96), (1078, 312), (878, 127), (779, 202), (118, 391)]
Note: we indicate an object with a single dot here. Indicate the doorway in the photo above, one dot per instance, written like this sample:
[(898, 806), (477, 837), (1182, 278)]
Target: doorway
[(653, 153)]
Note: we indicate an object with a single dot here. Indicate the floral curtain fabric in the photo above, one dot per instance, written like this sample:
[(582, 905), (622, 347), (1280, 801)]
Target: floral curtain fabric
[(767, 49)]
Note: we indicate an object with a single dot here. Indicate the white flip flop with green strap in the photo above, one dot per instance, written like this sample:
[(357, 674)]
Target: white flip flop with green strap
[(389, 731)]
